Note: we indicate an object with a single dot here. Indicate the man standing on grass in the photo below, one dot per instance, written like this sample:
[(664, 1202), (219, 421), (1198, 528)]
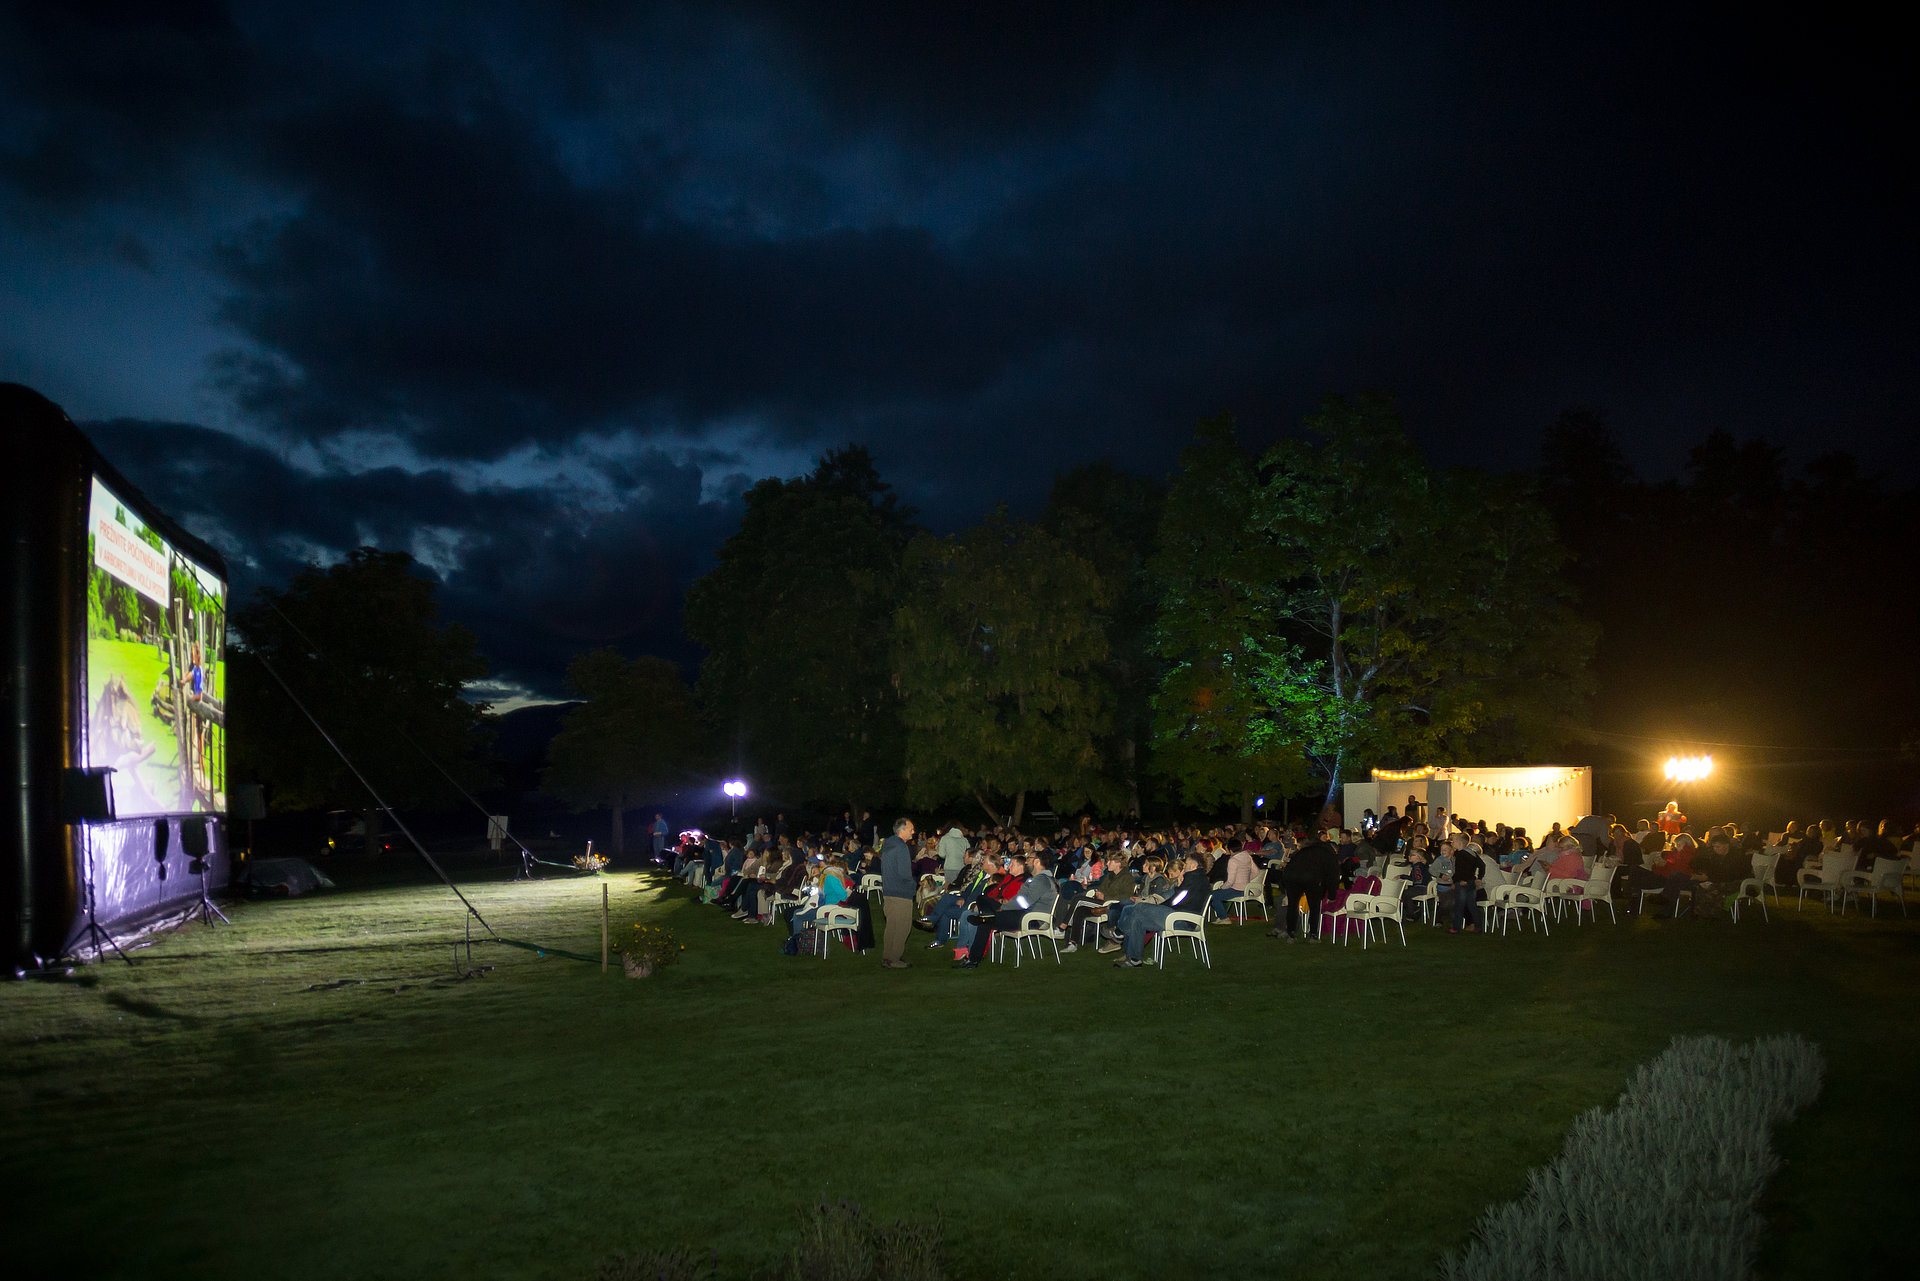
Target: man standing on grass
[(1468, 872), (896, 893), (659, 837)]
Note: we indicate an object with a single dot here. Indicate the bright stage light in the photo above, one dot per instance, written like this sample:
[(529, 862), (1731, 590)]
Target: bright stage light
[(1688, 769), (734, 787)]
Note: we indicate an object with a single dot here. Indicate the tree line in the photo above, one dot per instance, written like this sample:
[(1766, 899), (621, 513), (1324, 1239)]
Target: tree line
[(1268, 622), (1260, 623)]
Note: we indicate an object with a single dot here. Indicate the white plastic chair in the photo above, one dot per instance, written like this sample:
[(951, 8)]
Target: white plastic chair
[(1098, 915), (1356, 909), (1190, 926), (1590, 894), (1769, 879), (1661, 889), (1829, 879), (1255, 895), (1523, 899), (1386, 907), (870, 884), (1887, 876), (1754, 888), (775, 902), (1429, 903), (834, 919), (1035, 926)]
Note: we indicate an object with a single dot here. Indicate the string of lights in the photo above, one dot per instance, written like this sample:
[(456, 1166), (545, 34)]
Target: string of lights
[(1562, 781), (1432, 771)]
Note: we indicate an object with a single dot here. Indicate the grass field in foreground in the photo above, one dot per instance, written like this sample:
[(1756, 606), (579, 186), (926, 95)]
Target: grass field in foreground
[(311, 1094)]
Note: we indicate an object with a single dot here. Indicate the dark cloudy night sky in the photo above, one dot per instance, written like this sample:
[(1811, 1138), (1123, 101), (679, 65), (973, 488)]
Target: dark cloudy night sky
[(535, 291)]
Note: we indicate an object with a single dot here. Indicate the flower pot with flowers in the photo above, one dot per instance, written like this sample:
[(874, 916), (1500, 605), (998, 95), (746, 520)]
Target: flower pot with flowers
[(652, 948)]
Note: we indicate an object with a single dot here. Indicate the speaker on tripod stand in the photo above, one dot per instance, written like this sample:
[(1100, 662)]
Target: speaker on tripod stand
[(196, 840), (86, 797)]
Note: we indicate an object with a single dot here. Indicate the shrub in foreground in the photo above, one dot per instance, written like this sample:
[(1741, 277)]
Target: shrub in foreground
[(1667, 1183)]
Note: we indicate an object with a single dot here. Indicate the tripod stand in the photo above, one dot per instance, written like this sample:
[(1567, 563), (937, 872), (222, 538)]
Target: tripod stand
[(93, 932), (205, 908)]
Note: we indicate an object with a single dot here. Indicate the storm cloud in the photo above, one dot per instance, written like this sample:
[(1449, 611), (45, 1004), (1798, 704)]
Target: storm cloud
[(536, 291)]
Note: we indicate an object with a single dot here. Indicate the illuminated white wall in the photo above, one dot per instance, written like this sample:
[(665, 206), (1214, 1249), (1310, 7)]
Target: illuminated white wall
[(1531, 796)]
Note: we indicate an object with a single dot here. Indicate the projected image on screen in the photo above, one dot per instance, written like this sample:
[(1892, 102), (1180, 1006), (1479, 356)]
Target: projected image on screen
[(156, 666)]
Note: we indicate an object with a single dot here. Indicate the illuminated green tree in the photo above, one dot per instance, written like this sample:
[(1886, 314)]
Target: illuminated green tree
[(1340, 603), (1416, 614), (1217, 735)]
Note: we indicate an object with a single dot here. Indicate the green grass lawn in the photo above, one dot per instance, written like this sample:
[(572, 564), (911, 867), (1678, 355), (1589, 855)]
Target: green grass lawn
[(313, 1094)]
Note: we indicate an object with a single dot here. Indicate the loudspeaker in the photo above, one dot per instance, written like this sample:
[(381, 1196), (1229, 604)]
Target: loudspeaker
[(248, 802), (161, 834), (86, 795), (196, 842)]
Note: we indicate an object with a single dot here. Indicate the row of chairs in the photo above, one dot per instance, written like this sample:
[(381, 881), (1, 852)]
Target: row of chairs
[(1536, 899)]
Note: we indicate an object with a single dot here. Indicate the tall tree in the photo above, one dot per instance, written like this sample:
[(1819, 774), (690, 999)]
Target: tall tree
[(795, 618), (1411, 605), (1217, 735), (998, 647), (1110, 518), (636, 731), (361, 644)]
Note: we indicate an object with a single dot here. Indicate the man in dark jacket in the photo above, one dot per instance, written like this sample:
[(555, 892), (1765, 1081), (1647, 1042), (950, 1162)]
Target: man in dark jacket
[(1312, 871), (896, 893), (1468, 872)]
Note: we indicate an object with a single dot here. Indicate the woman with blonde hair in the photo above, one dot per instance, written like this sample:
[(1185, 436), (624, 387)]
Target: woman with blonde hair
[(829, 884)]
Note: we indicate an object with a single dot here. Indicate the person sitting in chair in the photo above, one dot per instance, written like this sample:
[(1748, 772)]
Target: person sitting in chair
[(950, 909), (1115, 887), (1190, 895), (1015, 894), (830, 882), (1239, 876), (1154, 885)]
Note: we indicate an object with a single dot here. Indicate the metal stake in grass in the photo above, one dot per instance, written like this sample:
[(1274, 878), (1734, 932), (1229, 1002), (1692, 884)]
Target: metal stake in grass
[(603, 927)]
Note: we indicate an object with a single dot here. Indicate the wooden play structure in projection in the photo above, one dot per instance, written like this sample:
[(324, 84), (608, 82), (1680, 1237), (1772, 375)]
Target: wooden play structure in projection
[(195, 633)]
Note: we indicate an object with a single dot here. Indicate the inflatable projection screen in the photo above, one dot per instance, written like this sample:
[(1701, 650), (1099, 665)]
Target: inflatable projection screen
[(115, 652)]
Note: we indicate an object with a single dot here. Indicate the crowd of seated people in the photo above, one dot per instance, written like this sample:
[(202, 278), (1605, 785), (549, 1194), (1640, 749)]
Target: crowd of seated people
[(1116, 888)]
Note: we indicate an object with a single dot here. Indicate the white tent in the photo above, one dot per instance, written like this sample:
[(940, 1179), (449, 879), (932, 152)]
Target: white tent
[(1534, 797)]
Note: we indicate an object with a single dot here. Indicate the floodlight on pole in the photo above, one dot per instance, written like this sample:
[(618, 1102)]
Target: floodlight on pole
[(735, 788), (1688, 769)]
